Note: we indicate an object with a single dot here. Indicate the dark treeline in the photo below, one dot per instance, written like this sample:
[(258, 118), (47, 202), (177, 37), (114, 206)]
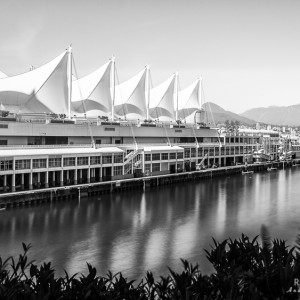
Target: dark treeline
[(244, 269)]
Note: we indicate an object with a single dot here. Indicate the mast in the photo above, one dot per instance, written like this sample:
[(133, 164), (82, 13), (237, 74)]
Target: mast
[(176, 95), (113, 88), (148, 90), (69, 80)]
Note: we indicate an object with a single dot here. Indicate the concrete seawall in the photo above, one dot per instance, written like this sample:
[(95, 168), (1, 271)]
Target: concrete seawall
[(98, 188)]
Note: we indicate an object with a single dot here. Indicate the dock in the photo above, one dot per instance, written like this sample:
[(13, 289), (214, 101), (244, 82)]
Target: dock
[(48, 195)]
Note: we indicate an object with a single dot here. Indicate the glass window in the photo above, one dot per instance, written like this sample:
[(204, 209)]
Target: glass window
[(179, 155), (39, 163), (172, 155), (187, 153), (193, 152), (82, 161), (118, 170), (107, 159), (164, 156), (147, 157), (156, 156), (95, 160), (155, 167), (54, 162), (22, 164), (69, 161), (118, 158)]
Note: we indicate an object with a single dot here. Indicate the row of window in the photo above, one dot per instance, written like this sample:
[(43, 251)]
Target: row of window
[(22, 164)]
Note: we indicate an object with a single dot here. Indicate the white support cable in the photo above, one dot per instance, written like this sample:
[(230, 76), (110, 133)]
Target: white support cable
[(84, 108), (70, 56), (113, 84)]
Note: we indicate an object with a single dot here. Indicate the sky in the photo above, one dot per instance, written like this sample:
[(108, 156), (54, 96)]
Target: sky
[(246, 51)]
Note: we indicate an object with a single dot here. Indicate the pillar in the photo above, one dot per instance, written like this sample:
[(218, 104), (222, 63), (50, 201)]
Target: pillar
[(80, 176), (46, 179), (61, 178), (53, 179), (30, 181), (22, 181), (13, 182), (75, 176), (38, 179), (88, 175), (68, 176), (4, 182)]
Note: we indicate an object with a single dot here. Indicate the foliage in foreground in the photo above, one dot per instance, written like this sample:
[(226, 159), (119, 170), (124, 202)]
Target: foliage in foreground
[(244, 269)]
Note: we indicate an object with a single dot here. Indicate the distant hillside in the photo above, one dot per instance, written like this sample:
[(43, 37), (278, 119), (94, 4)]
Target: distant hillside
[(220, 115), (276, 115)]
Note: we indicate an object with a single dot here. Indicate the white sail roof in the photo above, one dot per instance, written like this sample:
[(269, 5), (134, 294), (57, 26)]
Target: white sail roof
[(162, 100), (92, 94), (2, 75), (130, 97), (188, 100), (41, 90)]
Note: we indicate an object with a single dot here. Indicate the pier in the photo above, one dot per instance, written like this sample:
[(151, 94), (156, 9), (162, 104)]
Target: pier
[(48, 195)]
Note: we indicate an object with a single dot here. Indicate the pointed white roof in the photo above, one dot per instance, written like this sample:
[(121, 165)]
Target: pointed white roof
[(162, 100), (188, 100), (92, 92), (43, 89), (130, 97), (2, 75)]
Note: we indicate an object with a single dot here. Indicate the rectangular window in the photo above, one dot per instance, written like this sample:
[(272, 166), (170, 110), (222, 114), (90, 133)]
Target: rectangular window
[(54, 162), (82, 161), (156, 156), (39, 163), (22, 164), (95, 160), (118, 158), (3, 125), (172, 155), (147, 168), (179, 155), (187, 153), (147, 157), (200, 152), (164, 156), (109, 129), (3, 142), (118, 170), (193, 152), (69, 161), (155, 167), (107, 159), (216, 151)]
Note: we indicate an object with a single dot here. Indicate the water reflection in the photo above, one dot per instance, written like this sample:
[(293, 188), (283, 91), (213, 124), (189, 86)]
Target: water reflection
[(135, 231)]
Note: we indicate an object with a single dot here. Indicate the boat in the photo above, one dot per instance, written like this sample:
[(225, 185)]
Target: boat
[(247, 172)]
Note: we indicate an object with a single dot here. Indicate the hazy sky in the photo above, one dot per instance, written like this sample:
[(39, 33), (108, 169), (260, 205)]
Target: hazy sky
[(248, 52)]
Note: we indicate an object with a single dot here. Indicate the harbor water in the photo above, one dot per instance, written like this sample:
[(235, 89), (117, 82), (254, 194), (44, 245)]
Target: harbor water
[(136, 231)]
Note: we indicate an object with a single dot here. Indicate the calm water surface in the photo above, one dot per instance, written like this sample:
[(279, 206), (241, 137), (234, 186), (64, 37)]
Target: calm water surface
[(135, 231)]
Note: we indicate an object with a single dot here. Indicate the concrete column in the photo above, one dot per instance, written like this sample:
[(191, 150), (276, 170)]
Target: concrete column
[(61, 178), (22, 181), (39, 179), (75, 176), (80, 176), (88, 175), (101, 173), (30, 181), (47, 179), (13, 182), (53, 178), (4, 182), (68, 176)]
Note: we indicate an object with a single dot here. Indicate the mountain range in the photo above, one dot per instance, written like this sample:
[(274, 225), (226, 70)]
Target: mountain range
[(273, 115)]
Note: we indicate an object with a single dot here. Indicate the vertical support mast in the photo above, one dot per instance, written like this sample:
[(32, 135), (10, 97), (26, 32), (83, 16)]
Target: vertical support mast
[(176, 95), (69, 80), (200, 92), (148, 90), (113, 87)]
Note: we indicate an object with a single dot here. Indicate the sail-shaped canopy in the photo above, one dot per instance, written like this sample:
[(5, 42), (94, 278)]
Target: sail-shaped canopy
[(161, 104), (2, 75), (43, 89), (188, 101), (91, 94), (130, 97)]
